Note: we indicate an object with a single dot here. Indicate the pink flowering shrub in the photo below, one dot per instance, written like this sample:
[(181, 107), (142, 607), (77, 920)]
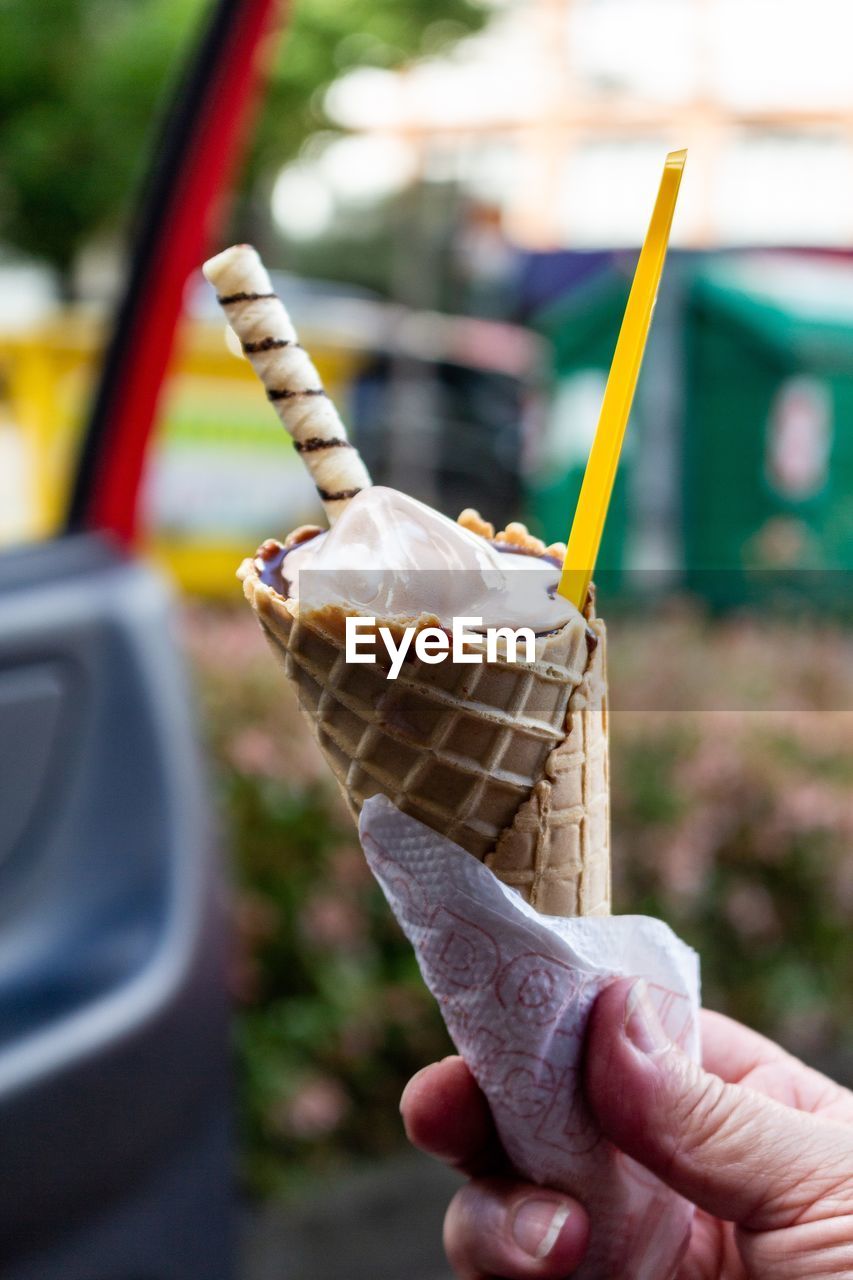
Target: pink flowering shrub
[(733, 814)]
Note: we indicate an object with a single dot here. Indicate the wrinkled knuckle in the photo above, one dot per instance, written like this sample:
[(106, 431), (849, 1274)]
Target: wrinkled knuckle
[(827, 1193), (701, 1114)]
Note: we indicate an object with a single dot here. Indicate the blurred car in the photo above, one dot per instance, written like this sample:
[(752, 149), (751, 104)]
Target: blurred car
[(114, 1098), (115, 1112)]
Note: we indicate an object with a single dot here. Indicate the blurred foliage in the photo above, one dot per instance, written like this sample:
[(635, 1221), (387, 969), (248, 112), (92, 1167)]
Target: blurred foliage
[(733, 816), (402, 247), (732, 767), (82, 83)]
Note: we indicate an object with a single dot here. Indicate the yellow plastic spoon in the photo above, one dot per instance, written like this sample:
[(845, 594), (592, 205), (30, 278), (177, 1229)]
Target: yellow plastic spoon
[(594, 499)]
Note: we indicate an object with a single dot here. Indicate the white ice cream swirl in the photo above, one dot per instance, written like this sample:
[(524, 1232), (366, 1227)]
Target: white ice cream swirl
[(389, 556)]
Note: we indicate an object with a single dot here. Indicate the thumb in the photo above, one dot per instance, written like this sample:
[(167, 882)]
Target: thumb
[(731, 1151)]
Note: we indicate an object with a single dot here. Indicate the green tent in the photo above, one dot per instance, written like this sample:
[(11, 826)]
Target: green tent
[(768, 423)]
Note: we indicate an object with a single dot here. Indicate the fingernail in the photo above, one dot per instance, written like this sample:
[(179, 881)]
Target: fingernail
[(642, 1024), (537, 1224)]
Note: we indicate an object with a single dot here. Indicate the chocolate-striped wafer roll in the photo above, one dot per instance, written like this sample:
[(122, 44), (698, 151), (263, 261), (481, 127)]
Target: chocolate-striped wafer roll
[(288, 375)]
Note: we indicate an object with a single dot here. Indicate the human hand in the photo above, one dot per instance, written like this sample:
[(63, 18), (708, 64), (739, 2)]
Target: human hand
[(759, 1142)]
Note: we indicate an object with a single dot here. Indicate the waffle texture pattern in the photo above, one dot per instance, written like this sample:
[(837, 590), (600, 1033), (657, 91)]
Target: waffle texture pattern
[(507, 760)]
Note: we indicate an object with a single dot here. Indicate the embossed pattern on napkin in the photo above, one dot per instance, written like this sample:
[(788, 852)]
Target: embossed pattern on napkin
[(515, 989)]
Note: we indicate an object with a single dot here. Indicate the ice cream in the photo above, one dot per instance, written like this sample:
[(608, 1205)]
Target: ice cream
[(506, 758), (391, 556)]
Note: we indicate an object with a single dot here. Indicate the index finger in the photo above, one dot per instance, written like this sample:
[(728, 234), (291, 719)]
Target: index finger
[(731, 1050), (741, 1056)]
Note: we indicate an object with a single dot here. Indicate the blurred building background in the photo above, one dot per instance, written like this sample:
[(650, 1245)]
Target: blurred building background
[(468, 162), (559, 110), (452, 193)]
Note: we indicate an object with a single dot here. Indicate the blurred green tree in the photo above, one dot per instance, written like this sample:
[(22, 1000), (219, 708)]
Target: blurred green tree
[(82, 82)]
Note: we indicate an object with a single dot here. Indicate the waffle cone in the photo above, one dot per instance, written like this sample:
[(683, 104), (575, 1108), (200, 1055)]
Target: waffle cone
[(507, 759)]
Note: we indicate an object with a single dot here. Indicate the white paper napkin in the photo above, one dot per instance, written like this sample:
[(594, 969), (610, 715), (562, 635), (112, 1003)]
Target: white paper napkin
[(516, 989)]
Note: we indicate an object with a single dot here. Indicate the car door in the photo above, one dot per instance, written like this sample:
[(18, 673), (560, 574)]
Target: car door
[(115, 1154), (115, 1150)]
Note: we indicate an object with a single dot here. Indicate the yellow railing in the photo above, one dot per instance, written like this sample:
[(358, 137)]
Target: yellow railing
[(217, 464)]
